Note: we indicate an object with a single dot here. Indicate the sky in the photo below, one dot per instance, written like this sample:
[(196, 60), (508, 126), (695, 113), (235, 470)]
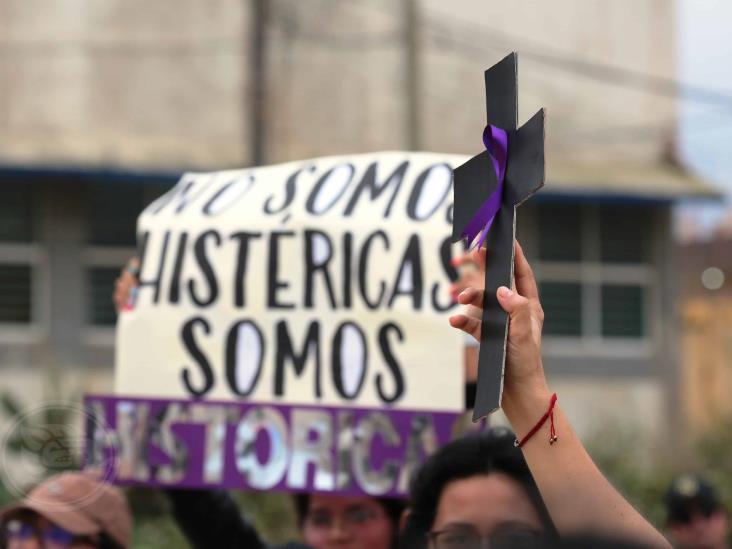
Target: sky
[(705, 60)]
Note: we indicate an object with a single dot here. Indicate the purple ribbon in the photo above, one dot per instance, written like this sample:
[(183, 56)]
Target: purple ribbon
[(496, 143)]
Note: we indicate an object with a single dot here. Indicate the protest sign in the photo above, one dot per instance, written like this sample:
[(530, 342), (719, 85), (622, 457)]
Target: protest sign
[(275, 289), (179, 443)]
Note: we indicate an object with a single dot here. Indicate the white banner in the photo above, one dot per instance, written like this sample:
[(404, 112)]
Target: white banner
[(322, 281)]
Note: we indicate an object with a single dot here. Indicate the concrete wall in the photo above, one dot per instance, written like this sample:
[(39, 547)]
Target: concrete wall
[(133, 83), (168, 83), (585, 115)]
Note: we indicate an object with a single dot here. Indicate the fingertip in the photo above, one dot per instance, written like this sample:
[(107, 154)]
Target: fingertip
[(519, 251), (457, 321), (466, 296), (504, 293)]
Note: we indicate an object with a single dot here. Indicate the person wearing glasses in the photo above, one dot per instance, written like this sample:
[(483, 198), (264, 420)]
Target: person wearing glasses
[(69, 511), (473, 488), (577, 496), (348, 521)]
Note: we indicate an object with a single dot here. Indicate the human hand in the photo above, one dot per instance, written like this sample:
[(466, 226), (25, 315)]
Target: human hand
[(524, 385), (471, 273), (125, 283)]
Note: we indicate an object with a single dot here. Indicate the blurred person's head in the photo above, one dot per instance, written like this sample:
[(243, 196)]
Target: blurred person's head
[(475, 487), (348, 521), (69, 510), (696, 518)]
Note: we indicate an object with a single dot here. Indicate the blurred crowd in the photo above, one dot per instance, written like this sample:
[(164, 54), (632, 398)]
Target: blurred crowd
[(475, 492)]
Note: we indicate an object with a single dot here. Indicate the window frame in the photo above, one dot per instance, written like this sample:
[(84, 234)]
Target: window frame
[(591, 273), (105, 256), (33, 254)]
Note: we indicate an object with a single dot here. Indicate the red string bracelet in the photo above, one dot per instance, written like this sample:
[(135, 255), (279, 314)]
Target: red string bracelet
[(552, 433)]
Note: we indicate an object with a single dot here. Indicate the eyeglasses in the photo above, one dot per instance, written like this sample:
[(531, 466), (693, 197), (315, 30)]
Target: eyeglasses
[(507, 535), (53, 536), (353, 517)]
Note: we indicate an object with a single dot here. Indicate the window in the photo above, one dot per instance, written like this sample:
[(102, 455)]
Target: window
[(16, 220), (560, 233), (100, 286), (622, 235), (594, 267), (622, 311), (112, 213), (15, 293), (18, 253), (111, 226), (564, 301)]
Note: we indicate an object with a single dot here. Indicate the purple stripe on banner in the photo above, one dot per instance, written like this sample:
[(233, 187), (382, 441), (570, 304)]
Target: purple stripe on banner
[(496, 143), (245, 446)]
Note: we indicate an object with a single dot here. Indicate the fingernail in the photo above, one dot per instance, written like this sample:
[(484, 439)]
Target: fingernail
[(466, 293), (504, 292), (455, 261)]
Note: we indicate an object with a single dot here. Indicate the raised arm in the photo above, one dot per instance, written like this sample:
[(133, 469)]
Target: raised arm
[(579, 498)]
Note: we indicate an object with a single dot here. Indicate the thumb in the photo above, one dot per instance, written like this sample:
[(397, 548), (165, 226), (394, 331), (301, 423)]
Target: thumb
[(511, 301)]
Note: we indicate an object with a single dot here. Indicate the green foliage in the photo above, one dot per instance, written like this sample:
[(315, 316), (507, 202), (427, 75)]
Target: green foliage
[(272, 514), (5, 497), (10, 405), (157, 533), (621, 453), (154, 525), (643, 473), (714, 451)]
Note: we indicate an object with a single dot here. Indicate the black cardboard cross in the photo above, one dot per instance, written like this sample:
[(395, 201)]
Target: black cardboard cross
[(474, 182)]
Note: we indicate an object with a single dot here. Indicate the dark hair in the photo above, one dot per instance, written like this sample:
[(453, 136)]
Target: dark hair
[(480, 454), (393, 507), (689, 493), (106, 542)]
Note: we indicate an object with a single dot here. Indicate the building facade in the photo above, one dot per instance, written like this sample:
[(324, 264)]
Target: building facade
[(103, 105)]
